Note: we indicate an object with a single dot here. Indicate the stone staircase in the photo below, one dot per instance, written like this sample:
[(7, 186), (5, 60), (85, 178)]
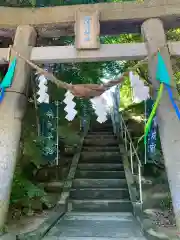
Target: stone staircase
[(99, 203)]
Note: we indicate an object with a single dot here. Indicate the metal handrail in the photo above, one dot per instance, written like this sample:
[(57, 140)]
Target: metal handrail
[(131, 142), (119, 124), (126, 135)]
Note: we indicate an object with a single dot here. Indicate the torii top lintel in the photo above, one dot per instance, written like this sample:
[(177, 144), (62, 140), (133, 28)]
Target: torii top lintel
[(115, 18)]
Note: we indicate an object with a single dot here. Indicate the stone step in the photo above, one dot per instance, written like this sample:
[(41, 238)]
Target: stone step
[(101, 157), (100, 133), (99, 193), (95, 227), (93, 238), (99, 183), (52, 187), (99, 125), (101, 136), (100, 149), (100, 141), (101, 128), (52, 173), (118, 216), (101, 166), (100, 174), (101, 160), (101, 205)]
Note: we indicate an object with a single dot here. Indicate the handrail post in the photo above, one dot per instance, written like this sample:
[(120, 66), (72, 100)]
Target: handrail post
[(121, 126), (131, 158), (140, 184), (128, 139), (125, 139), (145, 146)]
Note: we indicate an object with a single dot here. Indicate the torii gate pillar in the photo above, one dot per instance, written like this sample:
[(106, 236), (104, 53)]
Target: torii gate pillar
[(11, 113), (169, 125)]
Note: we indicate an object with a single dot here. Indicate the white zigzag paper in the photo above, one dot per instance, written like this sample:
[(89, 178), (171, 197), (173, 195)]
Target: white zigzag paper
[(42, 92), (42, 79), (140, 92), (101, 120), (70, 116), (69, 95), (70, 104), (98, 103), (68, 100)]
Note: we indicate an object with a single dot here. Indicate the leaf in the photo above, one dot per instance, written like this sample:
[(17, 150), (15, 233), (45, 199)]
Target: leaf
[(33, 3)]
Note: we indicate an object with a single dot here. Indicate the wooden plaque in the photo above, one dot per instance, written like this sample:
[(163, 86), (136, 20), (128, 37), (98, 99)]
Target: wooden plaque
[(87, 30)]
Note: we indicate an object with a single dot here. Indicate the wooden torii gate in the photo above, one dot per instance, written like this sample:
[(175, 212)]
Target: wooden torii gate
[(90, 21)]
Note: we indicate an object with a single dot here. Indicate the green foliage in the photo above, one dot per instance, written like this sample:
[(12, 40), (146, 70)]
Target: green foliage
[(126, 94), (45, 3), (23, 189), (167, 202), (135, 109), (29, 137), (70, 137)]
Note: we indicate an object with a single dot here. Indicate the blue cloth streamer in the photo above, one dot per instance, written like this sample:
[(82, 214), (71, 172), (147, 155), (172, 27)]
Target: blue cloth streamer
[(2, 94), (172, 100)]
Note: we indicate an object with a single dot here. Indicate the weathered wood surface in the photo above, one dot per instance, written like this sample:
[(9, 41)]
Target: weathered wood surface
[(115, 18), (107, 52)]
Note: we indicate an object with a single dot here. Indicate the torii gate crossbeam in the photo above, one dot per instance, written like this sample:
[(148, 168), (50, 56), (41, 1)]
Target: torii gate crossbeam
[(115, 18), (107, 52)]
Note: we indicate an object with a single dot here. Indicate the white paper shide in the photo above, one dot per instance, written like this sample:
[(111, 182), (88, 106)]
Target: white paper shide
[(140, 92), (43, 88), (70, 105), (99, 105)]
